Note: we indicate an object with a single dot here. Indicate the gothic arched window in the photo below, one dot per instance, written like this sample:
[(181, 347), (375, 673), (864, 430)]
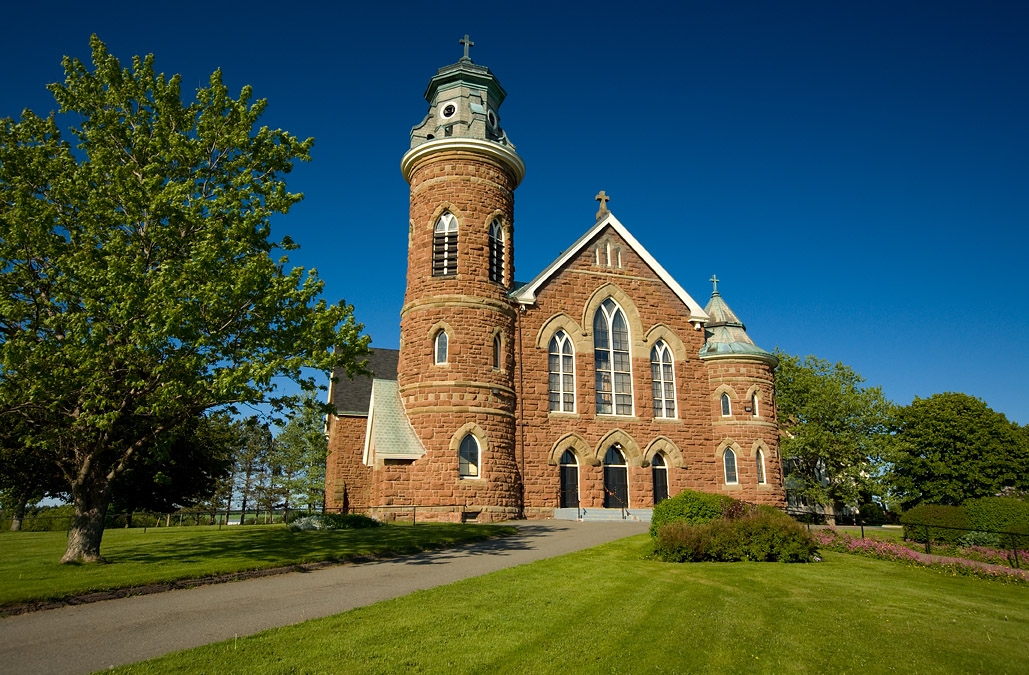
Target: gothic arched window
[(444, 246), (497, 352), (562, 373), (468, 457), (753, 404), (496, 251), (441, 347), (729, 461), (726, 406), (662, 373), (611, 353), (759, 460)]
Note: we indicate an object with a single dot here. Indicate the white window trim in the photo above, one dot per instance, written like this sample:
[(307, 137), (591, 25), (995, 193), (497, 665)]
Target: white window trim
[(497, 226), (448, 226), (671, 361), (575, 399), (610, 331)]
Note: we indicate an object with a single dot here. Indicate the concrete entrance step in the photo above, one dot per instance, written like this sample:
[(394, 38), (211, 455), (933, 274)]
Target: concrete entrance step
[(594, 515)]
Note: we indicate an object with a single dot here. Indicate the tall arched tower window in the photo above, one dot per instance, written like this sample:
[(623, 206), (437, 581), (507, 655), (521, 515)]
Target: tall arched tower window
[(469, 457), (729, 462), (726, 406), (496, 251), (759, 460), (444, 246), (662, 373), (611, 353), (753, 405), (562, 373), (497, 352), (441, 347)]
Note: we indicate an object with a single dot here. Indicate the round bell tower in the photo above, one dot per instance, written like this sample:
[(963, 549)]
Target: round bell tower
[(457, 326)]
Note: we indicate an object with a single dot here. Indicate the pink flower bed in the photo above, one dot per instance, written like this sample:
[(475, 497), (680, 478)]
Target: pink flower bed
[(834, 540)]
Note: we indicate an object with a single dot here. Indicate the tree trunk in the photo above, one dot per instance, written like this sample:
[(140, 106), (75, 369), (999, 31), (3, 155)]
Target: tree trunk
[(87, 530), (19, 512), (830, 514)]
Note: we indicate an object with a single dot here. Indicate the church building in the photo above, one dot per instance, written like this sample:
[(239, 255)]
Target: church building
[(601, 384)]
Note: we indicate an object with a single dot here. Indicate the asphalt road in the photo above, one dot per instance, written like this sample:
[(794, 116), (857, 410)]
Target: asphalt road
[(86, 638)]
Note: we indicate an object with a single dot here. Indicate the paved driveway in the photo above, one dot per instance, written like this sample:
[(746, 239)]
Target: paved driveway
[(86, 638)]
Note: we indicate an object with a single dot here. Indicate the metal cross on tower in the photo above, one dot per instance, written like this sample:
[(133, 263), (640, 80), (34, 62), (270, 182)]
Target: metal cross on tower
[(714, 281), (467, 43)]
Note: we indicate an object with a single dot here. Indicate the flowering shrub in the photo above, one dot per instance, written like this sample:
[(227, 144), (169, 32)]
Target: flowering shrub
[(833, 540)]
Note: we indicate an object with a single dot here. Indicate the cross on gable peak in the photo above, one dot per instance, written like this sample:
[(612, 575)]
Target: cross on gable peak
[(603, 199)]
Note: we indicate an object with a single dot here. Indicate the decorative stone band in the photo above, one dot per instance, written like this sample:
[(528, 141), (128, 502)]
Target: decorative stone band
[(500, 389), (765, 358), (415, 157), (468, 301)]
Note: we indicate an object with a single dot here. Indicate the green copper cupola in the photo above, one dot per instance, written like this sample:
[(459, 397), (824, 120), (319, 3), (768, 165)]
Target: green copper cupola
[(726, 336), (464, 102)]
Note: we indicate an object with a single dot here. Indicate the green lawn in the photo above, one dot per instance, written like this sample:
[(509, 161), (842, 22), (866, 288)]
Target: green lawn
[(611, 610), (30, 568)]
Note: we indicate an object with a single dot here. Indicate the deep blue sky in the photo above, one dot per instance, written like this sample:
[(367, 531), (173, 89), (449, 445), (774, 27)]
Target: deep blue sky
[(857, 174)]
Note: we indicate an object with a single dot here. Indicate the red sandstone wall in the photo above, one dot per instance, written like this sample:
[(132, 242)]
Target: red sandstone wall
[(346, 478)]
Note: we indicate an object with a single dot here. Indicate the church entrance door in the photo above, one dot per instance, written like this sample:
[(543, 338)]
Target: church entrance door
[(616, 480), (569, 481)]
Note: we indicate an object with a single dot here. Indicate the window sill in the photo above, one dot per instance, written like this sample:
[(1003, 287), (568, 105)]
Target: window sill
[(617, 418), (668, 420), (561, 415), (732, 486)]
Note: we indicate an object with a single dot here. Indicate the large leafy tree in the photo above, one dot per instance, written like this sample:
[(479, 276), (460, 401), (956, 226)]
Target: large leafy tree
[(832, 430), (139, 284), (951, 447)]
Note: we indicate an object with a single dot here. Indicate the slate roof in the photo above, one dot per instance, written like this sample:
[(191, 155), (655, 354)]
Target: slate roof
[(389, 433), (351, 397)]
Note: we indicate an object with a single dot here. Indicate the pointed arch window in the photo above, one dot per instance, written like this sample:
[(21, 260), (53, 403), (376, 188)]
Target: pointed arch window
[(611, 353), (441, 347), (496, 251), (759, 460), (562, 373), (659, 470), (497, 352), (444, 246), (726, 406), (569, 480), (662, 373), (729, 462), (753, 404), (468, 457)]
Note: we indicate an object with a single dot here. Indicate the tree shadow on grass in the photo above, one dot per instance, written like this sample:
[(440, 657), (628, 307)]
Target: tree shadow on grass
[(261, 546)]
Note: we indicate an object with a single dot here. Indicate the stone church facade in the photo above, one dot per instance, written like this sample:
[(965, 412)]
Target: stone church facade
[(600, 384)]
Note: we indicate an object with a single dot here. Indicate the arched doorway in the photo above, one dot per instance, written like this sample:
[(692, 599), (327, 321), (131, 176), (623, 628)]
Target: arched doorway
[(569, 480), (660, 471), (616, 480)]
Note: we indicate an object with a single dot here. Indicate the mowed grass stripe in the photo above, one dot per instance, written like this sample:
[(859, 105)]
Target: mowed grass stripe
[(611, 610), (30, 569)]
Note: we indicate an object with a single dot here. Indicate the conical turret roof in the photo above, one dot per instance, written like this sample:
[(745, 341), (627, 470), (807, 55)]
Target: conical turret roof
[(725, 334)]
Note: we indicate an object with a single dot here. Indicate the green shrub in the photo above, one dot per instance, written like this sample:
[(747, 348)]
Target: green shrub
[(689, 507), (935, 514), (997, 513), (759, 535), (349, 521)]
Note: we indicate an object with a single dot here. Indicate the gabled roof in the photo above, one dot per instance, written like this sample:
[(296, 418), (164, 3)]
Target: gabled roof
[(389, 434), (351, 396), (526, 295)]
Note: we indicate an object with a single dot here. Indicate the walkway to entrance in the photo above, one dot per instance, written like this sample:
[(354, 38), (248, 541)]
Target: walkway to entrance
[(86, 638)]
